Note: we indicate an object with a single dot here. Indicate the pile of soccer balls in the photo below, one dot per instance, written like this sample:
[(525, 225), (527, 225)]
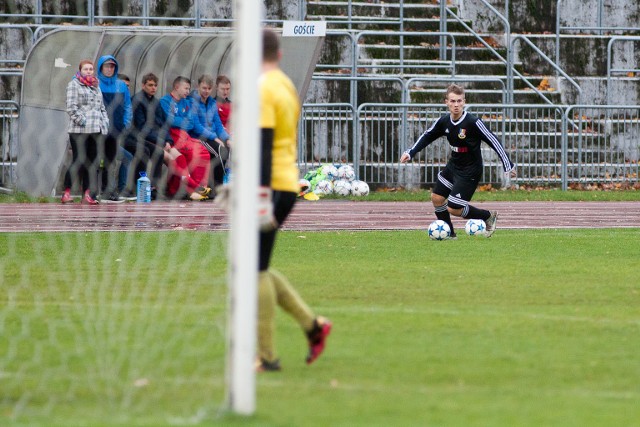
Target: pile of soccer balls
[(440, 230), (334, 179)]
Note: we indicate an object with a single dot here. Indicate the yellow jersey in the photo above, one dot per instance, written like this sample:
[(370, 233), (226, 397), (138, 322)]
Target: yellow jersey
[(280, 111)]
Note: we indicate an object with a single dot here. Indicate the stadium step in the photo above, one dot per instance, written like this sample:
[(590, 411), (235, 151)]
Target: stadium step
[(379, 55), (373, 10), (484, 96)]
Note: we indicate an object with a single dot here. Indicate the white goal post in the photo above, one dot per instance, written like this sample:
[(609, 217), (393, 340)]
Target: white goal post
[(303, 41), (243, 265)]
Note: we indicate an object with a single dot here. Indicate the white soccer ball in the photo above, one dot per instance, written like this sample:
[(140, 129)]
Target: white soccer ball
[(305, 186), (347, 173), (342, 187), (475, 227), (324, 187), (439, 230), (359, 188), (330, 171)]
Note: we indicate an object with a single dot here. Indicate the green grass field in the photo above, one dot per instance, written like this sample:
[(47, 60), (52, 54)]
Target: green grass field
[(528, 328)]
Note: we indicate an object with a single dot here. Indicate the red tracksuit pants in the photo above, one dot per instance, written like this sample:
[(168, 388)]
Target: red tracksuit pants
[(192, 167)]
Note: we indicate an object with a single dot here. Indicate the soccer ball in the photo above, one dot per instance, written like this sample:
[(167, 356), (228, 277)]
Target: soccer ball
[(330, 171), (342, 187), (324, 187), (316, 179), (359, 188), (475, 227), (346, 173), (439, 230), (305, 186)]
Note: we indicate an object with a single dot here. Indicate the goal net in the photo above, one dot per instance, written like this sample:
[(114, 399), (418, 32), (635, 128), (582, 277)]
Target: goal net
[(112, 328), (107, 317)]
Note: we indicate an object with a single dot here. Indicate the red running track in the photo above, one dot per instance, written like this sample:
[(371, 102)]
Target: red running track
[(307, 216)]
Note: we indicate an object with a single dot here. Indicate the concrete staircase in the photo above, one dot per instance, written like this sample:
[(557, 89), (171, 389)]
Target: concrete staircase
[(377, 54), (533, 137)]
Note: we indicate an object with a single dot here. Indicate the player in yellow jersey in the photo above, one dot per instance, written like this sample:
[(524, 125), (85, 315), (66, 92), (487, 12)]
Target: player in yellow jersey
[(279, 113)]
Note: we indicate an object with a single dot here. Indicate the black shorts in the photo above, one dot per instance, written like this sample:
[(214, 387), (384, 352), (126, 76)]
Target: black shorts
[(283, 202), (458, 189)]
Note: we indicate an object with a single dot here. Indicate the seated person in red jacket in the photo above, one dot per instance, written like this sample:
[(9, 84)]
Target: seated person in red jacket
[(209, 129), (179, 120), (223, 90)]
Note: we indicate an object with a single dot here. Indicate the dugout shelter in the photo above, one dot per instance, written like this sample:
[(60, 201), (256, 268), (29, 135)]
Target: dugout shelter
[(53, 61)]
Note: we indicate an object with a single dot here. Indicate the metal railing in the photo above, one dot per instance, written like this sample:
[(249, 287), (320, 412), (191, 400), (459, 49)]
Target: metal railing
[(555, 66), (89, 16), (196, 20), (551, 145), (353, 80), (598, 29), (605, 147), (509, 61), (507, 33), (349, 18), (325, 133), (356, 61), (15, 61), (402, 64), (447, 80), (38, 15), (9, 113), (386, 130), (610, 69)]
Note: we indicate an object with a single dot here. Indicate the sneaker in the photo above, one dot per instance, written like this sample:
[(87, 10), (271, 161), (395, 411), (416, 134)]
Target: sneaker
[(452, 236), (266, 366), (197, 197), (128, 196), (203, 191), (87, 199), (491, 223), (66, 196), (317, 338), (113, 198)]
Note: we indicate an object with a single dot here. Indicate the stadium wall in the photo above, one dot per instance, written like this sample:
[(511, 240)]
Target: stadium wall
[(535, 18), (539, 16), (582, 57), (16, 44)]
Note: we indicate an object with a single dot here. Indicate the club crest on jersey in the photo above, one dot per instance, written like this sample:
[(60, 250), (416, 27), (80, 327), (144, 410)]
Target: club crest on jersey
[(462, 134)]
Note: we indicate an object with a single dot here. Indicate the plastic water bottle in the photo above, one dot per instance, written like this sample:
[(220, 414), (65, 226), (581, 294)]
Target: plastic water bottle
[(143, 190), (227, 176)]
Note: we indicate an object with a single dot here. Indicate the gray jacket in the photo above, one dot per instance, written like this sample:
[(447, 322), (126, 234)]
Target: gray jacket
[(86, 109)]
